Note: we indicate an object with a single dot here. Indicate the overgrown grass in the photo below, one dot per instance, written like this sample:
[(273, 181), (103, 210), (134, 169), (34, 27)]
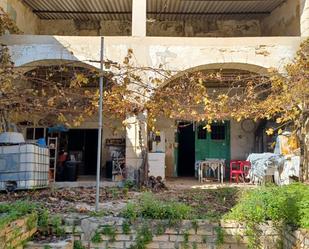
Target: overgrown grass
[(287, 205), (210, 204), (13, 211), (151, 208)]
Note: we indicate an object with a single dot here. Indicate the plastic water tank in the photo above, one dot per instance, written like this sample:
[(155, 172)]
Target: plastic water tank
[(11, 138)]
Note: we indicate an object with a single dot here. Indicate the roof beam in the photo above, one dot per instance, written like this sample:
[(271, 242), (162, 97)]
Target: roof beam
[(151, 13), (224, 0)]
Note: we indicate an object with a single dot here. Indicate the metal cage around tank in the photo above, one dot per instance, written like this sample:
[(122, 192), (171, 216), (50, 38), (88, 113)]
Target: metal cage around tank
[(23, 166)]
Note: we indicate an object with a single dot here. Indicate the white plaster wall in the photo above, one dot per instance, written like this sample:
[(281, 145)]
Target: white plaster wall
[(304, 20), (168, 127), (174, 53), (242, 143), (283, 21)]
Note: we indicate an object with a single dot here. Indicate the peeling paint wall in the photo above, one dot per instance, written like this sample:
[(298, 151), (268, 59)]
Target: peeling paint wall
[(218, 28), (85, 28), (283, 21), (26, 21), (207, 28)]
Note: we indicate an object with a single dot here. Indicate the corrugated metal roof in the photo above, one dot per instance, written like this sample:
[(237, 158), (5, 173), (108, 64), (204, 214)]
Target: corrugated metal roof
[(186, 9), (157, 9), (82, 9)]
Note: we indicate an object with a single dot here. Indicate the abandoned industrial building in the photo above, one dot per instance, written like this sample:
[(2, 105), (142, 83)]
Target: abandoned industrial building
[(234, 36)]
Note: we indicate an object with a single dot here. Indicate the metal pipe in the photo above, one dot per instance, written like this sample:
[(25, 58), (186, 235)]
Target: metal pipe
[(97, 196)]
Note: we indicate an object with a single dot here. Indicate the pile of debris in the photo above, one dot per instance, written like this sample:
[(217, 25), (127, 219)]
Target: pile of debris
[(156, 184)]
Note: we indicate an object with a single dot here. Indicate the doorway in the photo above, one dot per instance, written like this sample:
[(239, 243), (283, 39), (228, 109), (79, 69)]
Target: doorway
[(196, 143), (83, 144), (186, 149)]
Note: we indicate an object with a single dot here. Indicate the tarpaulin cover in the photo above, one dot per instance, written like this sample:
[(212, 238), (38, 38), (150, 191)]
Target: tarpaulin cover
[(277, 165)]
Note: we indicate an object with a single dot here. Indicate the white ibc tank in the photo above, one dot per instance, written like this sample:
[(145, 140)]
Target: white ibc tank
[(11, 138), (23, 166)]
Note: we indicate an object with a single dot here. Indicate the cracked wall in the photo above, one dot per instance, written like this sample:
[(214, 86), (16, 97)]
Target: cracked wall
[(25, 20), (207, 28), (283, 21)]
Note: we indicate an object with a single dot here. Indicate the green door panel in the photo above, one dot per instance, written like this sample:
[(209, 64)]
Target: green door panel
[(214, 144)]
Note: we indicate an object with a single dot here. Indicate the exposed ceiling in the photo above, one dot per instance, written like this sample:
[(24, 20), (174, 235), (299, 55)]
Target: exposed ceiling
[(156, 9)]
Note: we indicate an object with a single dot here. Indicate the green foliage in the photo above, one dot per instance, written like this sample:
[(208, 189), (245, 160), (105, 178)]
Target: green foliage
[(129, 184), (57, 227), (194, 245), (13, 211), (160, 228), (96, 238), (185, 240), (100, 213), (204, 239), (125, 192), (32, 221), (143, 238), (126, 227), (78, 245), (220, 236), (150, 207), (47, 247), (287, 205), (109, 231), (194, 225), (210, 204), (43, 219)]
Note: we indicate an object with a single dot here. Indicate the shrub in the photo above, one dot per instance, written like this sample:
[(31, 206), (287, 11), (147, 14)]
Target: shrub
[(150, 207), (287, 205), (13, 211)]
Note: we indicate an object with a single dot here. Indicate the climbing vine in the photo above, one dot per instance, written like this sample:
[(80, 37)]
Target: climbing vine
[(68, 94)]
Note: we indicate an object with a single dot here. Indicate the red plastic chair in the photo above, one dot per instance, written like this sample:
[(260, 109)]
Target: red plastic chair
[(235, 170), (246, 166)]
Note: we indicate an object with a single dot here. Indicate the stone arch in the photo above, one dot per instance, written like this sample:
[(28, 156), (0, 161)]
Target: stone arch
[(251, 68), (53, 62)]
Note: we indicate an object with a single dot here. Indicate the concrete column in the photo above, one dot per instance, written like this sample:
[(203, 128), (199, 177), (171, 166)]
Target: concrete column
[(304, 18), (139, 12), (135, 128)]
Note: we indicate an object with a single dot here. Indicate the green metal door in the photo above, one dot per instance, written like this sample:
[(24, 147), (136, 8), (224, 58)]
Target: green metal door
[(214, 144)]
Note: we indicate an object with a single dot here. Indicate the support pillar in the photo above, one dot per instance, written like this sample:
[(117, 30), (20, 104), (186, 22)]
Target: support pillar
[(139, 15), (136, 141), (304, 18)]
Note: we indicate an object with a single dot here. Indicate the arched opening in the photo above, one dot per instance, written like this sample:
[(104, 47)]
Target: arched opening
[(71, 121), (186, 139)]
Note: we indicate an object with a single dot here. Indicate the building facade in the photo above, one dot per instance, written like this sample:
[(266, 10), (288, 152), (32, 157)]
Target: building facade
[(182, 35)]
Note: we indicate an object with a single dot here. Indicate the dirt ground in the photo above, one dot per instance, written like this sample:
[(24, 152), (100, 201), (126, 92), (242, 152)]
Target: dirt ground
[(209, 199)]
